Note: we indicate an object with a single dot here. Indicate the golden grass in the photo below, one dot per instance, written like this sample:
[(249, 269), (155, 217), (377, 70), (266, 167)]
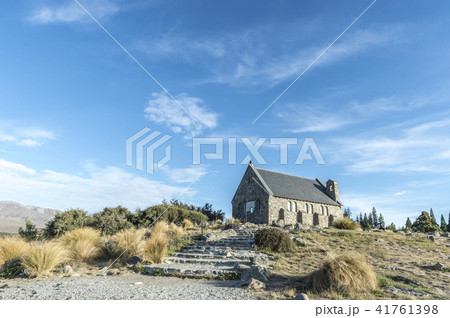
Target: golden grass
[(347, 272), (12, 247), (175, 231), (155, 248), (129, 240), (187, 224), (346, 224), (160, 227), (41, 258), (83, 244)]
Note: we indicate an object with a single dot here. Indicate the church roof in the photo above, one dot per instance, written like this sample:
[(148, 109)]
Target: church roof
[(293, 187)]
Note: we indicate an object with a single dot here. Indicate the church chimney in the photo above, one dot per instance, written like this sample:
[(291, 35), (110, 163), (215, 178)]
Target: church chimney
[(332, 190)]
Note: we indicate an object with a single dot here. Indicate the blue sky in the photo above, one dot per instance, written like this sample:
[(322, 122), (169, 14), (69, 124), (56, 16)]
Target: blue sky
[(376, 103)]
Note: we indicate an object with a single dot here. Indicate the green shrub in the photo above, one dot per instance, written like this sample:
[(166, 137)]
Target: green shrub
[(30, 233), (112, 220), (67, 221), (165, 212), (274, 239), (424, 224)]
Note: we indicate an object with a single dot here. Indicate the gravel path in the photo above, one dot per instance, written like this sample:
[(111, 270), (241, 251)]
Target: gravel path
[(131, 286)]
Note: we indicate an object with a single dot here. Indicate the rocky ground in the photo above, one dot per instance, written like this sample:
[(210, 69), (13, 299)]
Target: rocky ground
[(126, 286)]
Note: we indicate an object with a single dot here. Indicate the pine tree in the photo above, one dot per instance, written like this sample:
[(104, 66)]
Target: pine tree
[(347, 213), (408, 224), (381, 221), (357, 219), (370, 220), (375, 221), (361, 220), (443, 223), (365, 222), (391, 227), (433, 219), (448, 223)]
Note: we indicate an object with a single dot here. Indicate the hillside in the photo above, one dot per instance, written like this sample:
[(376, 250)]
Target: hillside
[(13, 215)]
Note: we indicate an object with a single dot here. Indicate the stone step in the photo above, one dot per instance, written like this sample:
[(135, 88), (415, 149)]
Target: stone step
[(208, 249), (203, 261), (246, 256), (191, 270)]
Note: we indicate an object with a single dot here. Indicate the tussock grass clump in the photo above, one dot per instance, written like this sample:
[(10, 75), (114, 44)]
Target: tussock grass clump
[(43, 258), (130, 239), (175, 231), (346, 224), (187, 224), (161, 227), (274, 239), (346, 273), (12, 247), (83, 244), (155, 247)]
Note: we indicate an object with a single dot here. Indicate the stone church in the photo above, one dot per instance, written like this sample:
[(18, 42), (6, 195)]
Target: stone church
[(269, 197)]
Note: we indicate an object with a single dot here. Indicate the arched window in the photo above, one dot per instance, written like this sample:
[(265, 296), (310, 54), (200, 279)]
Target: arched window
[(295, 206), (322, 209), (289, 206), (312, 208), (306, 208), (327, 210)]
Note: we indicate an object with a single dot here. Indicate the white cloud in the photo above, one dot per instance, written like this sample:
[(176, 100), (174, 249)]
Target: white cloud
[(71, 12), (29, 137), (400, 193), (162, 109), (98, 188), (184, 175)]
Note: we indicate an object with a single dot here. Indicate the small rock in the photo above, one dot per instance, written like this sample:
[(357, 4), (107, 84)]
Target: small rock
[(439, 266), (300, 241), (414, 234), (445, 234), (133, 260), (68, 269), (256, 284), (448, 245), (431, 238), (3, 286), (75, 275), (391, 267), (380, 240), (138, 283), (301, 296)]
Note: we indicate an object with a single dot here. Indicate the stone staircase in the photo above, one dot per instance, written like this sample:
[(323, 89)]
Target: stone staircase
[(220, 255)]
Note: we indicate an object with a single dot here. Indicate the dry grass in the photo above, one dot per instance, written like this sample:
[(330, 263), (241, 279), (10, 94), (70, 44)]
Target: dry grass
[(346, 224), (83, 244), (43, 258), (129, 240), (161, 227), (187, 224), (347, 273), (155, 248), (12, 247), (175, 231)]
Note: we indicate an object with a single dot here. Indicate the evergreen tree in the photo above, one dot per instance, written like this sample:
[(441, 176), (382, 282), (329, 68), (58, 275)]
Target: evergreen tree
[(361, 220), (443, 224), (381, 221), (365, 222), (424, 224), (347, 213), (370, 220), (433, 219), (448, 223), (391, 227), (357, 219), (375, 221), (408, 224)]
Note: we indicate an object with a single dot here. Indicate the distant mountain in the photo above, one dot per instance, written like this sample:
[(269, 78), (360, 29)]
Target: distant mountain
[(13, 215)]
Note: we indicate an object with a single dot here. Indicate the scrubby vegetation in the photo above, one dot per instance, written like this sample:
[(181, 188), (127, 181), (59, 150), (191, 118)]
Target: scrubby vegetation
[(11, 248), (273, 239), (83, 244), (344, 273), (41, 258), (346, 224)]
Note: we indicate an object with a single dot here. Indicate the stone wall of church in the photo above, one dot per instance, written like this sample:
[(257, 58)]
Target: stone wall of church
[(288, 211)]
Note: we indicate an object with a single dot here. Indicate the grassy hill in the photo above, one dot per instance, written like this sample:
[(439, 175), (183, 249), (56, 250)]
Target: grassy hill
[(404, 265)]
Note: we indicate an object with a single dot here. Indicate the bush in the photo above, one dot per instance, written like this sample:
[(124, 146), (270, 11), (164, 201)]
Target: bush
[(83, 244), (67, 221), (112, 220), (345, 273), (128, 243), (175, 231), (165, 212), (274, 239), (11, 248), (346, 224), (43, 258), (155, 247), (424, 224), (30, 233), (187, 224)]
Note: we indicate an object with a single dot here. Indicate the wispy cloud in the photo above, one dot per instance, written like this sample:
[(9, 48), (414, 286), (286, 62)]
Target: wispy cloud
[(93, 190), (184, 175), (29, 137), (70, 12), (163, 110)]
